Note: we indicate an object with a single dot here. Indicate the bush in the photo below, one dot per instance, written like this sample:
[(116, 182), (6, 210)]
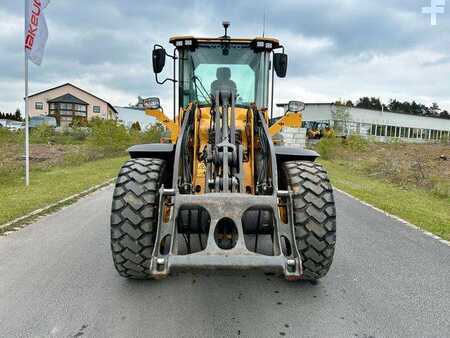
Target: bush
[(7, 136), (356, 143), (77, 158), (79, 134), (43, 134), (78, 121), (327, 147), (109, 136), (153, 134), (440, 187)]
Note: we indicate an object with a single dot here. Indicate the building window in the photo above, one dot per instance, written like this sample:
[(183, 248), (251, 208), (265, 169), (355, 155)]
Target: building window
[(388, 130), (64, 112), (404, 132), (415, 133), (434, 134), (96, 109), (39, 105), (80, 108), (68, 109)]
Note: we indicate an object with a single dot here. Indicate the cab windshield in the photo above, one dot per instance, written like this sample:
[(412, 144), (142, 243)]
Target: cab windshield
[(214, 67)]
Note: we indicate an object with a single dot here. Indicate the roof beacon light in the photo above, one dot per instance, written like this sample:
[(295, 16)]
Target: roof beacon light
[(225, 25)]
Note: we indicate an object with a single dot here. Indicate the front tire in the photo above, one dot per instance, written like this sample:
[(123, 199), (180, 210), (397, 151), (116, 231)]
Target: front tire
[(314, 216), (134, 216)]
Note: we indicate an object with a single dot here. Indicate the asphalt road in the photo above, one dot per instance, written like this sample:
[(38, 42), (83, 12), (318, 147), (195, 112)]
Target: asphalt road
[(57, 279)]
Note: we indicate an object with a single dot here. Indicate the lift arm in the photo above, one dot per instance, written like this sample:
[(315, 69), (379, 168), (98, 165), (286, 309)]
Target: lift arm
[(293, 120), (165, 121)]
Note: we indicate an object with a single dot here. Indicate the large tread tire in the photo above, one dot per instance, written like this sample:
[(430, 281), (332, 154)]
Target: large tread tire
[(134, 216), (314, 216)]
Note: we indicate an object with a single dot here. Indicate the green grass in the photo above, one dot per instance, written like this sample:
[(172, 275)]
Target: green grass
[(50, 186), (417, 206)]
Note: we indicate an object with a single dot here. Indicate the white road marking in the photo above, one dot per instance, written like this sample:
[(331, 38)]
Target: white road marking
[(401, 220)]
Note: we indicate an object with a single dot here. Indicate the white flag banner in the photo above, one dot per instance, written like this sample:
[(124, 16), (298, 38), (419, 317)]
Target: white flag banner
[(36, 32)]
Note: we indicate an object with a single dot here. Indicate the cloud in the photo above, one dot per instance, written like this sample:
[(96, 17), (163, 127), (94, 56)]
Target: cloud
[(337, 49)]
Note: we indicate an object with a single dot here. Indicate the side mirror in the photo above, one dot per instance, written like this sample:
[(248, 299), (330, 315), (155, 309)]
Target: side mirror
[(280, 61), (159, 59)]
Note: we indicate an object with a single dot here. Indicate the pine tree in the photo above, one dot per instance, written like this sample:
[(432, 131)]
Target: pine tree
[(17, 115), (136, 126)]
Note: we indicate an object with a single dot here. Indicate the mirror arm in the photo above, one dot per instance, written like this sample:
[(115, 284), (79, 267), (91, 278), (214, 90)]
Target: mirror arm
[(165, 80)]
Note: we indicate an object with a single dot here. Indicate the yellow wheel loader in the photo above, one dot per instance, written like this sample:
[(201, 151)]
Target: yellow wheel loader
[(219, 194)]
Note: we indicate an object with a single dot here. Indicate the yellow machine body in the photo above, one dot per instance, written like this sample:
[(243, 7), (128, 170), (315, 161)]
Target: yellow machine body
[(244, 125)]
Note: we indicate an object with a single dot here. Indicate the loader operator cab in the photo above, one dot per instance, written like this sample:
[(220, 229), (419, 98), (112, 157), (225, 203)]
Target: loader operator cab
[(203, 66), (213, 66)]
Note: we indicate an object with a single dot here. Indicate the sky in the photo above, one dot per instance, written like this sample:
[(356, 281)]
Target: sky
[(337, 49)]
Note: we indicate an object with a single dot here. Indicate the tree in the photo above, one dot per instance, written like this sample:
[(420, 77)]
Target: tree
[(17, 115), (341, 118), (363, 102), (9, 116), (444, 114), (136, 126), (435, 109), (375, 103), (395, 106), (416, 109), (406, 107)]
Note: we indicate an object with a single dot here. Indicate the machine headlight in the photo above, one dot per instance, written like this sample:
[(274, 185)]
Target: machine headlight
[(296, 106), (189, 43), (152, 103)]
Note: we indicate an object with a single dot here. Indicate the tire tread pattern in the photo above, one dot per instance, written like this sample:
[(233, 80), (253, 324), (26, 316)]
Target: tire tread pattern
[(314, 216), (133, 216)]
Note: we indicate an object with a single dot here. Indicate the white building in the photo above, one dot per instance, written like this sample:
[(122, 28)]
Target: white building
[(129, 115), (381, 125)]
